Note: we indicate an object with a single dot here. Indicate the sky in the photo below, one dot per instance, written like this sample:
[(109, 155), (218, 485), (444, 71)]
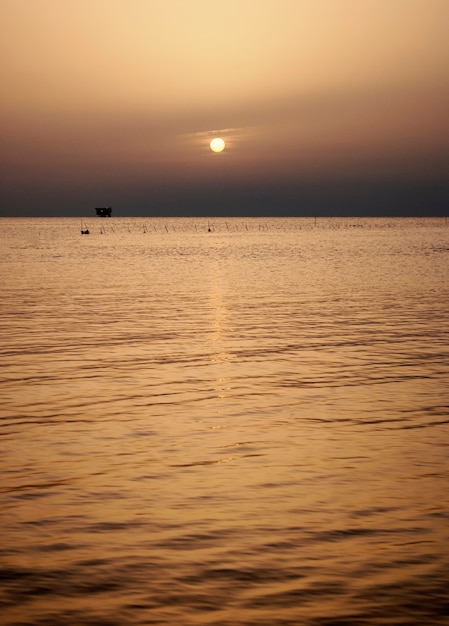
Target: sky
[(327, 107)]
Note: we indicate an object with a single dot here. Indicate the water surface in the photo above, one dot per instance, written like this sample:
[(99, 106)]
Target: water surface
[(237, 427)]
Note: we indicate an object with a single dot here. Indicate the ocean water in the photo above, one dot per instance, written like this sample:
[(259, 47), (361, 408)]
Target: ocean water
[(247, 426)]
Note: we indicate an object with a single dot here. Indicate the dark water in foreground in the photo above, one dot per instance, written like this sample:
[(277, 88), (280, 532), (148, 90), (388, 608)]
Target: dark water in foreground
[(248, 426)]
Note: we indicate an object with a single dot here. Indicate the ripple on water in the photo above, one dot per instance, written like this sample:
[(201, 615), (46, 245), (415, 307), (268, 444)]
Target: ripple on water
[(238, 429)]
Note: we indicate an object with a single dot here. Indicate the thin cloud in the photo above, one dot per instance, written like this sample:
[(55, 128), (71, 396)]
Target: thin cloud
[(201, 138)]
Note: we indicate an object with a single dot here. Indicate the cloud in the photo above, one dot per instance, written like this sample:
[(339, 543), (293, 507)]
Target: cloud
[(201, 138)]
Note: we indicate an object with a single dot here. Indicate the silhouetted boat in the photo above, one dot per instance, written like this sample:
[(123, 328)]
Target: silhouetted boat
[(104, 211)]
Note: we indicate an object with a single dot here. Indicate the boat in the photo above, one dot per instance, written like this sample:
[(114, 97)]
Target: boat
[(104, 211)]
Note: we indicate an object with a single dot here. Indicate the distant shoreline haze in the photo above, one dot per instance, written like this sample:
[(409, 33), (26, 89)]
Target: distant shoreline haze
[(368, 200)]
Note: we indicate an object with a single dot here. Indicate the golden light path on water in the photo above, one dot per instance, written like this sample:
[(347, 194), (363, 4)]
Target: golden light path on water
[(224, 421)]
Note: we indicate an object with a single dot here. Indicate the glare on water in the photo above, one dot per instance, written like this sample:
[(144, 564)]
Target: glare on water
[(232, 422)]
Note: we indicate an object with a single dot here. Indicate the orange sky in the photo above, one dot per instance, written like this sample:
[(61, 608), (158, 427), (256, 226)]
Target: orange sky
[(118, 99)]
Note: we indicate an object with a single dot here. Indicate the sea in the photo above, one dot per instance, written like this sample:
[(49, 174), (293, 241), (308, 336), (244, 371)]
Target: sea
[(224, 422)]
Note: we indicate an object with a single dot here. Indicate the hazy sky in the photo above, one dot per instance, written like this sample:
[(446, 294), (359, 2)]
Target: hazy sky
[(325, 105)]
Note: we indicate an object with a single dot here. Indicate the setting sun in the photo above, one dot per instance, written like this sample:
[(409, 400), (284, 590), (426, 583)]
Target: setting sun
[(217, 145)]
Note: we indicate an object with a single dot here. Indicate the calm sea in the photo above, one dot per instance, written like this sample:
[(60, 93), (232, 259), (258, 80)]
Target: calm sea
[(241, 427)]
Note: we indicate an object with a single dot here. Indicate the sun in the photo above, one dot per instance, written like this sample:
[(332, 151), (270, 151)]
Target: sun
[(217, 144)]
